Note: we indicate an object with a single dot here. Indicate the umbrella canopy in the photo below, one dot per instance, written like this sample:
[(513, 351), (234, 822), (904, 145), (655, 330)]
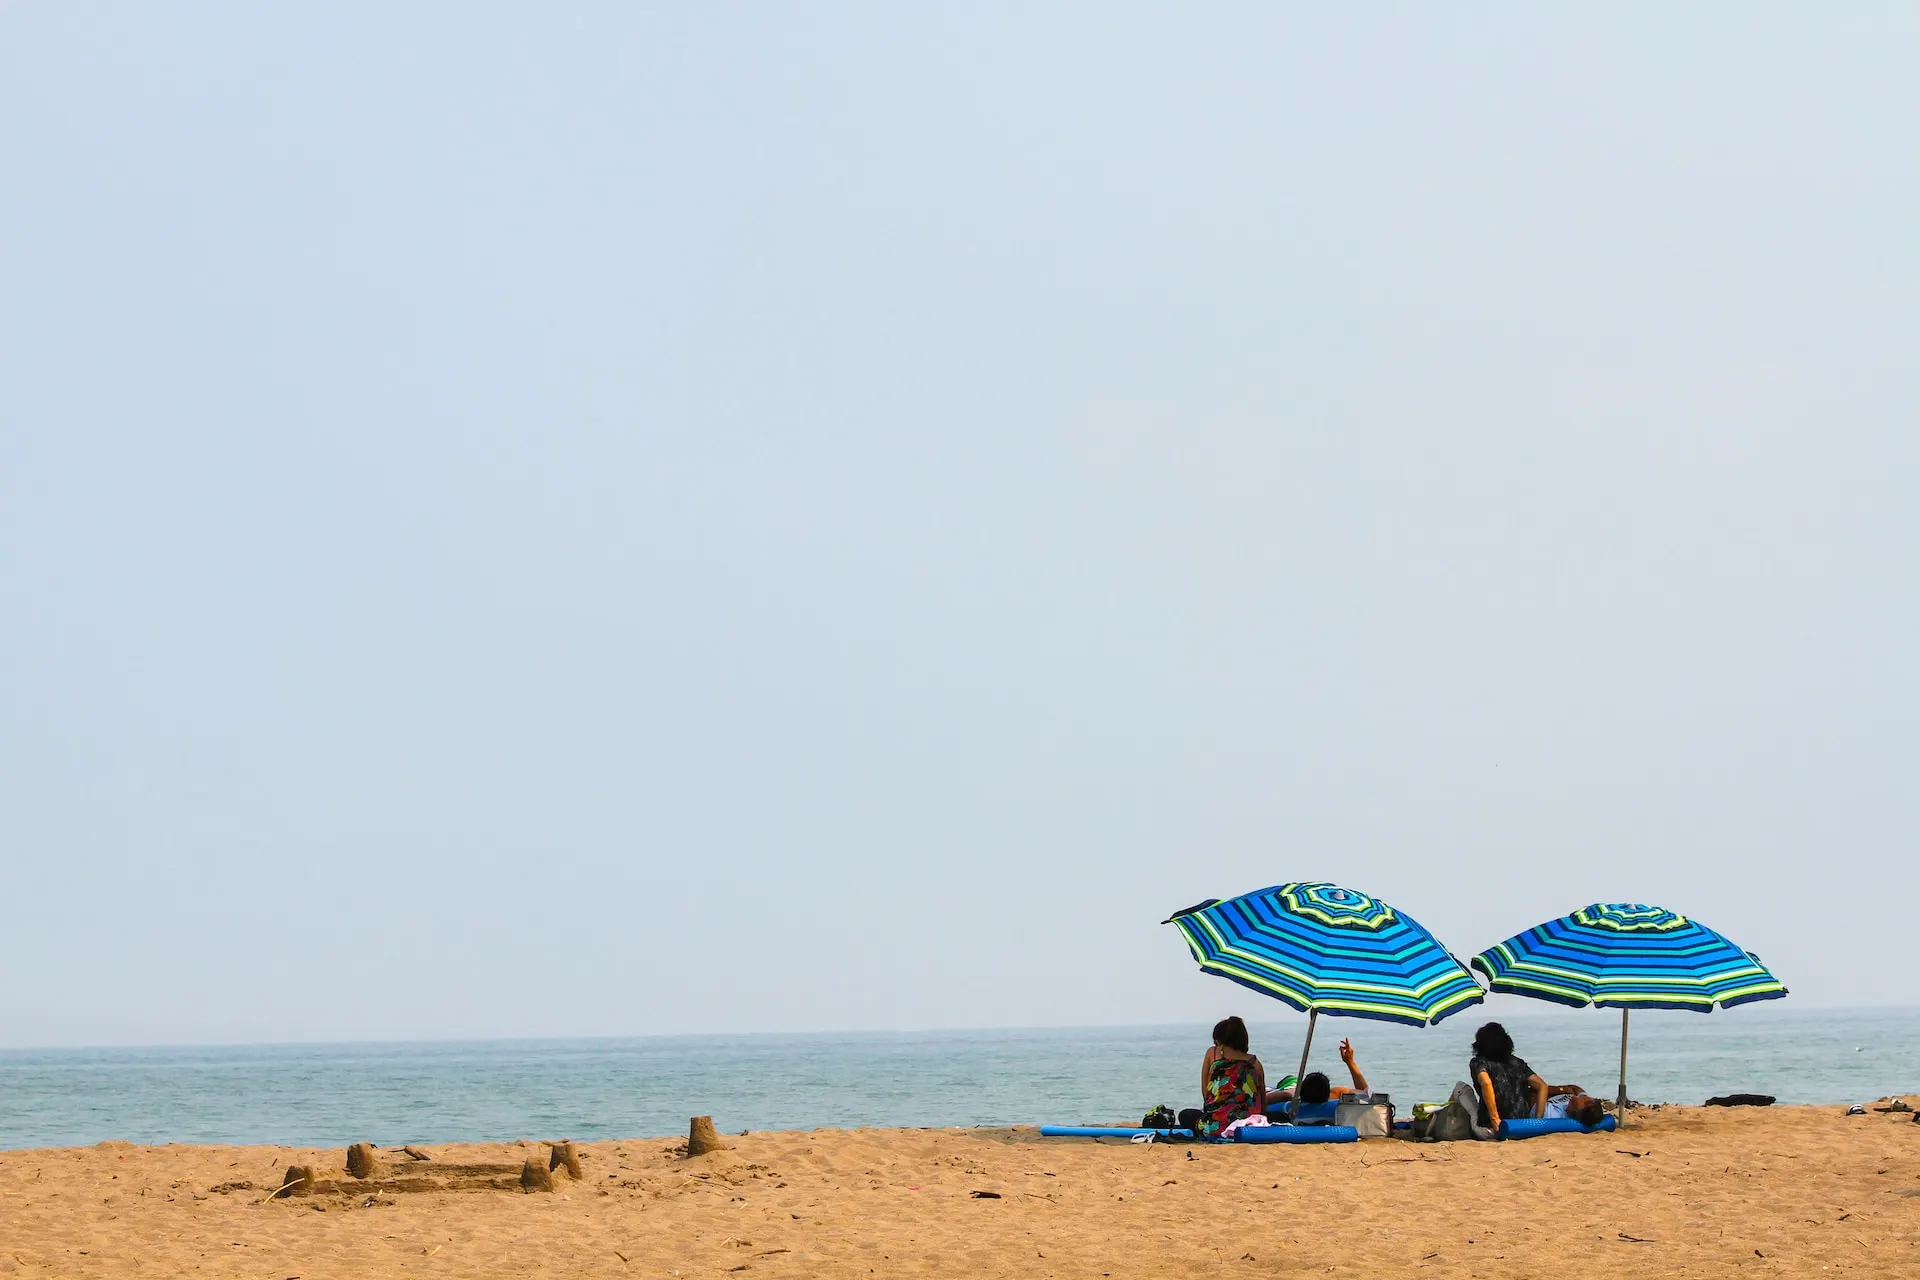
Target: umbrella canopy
[(1627, 955), (1325, 949)]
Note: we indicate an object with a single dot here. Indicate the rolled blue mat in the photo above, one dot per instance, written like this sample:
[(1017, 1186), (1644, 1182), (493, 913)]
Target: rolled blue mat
[(1298, 1133), (1094, 1131), (1534, 1128)]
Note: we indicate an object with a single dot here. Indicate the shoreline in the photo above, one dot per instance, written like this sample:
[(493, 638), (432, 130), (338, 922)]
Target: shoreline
[(1776, 1190), (1020, 1132)]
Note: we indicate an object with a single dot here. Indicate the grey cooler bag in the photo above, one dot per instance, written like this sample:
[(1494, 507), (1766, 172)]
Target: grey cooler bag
[(1371, 1115)]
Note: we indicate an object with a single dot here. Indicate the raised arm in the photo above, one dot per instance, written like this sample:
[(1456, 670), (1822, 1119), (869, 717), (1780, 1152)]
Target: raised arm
[(1353, 1066)]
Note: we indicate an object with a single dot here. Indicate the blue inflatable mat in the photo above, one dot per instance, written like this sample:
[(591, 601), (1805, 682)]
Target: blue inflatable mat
[(1298, 1133), (1094, 1131), (1534, 1128), (1308, 1111)]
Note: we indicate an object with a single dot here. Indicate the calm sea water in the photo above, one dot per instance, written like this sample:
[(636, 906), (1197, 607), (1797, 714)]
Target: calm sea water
[(329, 1095)]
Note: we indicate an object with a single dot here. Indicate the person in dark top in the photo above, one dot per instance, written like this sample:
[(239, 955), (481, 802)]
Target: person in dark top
[(1509, 1090)]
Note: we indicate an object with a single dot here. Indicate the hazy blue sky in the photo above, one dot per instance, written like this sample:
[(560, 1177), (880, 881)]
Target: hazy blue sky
[(611, 519)]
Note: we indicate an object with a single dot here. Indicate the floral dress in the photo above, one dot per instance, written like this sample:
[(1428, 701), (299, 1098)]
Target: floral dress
[(1231, 1093)]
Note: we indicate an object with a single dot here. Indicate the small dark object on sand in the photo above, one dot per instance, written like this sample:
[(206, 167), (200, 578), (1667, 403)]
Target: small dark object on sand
[(416, 1154), (533, 1177), (986, 1195), (1742, 1100), (1897, 1107)]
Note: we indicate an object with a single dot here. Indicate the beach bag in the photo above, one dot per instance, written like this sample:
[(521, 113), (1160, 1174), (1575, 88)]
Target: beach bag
[(1370, 1117), (1455, 1121), (1161, 1117), (1450, 1123)]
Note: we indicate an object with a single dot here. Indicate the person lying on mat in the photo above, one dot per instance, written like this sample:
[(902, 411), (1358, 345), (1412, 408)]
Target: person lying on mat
[(1508, 1088), (1232, 1081), (1571, 1102), (1316, 1088)]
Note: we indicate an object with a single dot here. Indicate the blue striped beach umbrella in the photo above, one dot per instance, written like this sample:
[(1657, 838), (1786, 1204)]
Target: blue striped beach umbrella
[(1325, 949), (1627, 955)]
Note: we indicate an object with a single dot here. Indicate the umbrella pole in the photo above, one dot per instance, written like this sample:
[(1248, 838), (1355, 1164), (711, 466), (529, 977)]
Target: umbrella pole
[(1293, 1110), (1620, 1103)]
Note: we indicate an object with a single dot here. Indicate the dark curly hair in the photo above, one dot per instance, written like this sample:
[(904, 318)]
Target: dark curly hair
[(1492, 1043), (1231, 1033), (1315, 1088)]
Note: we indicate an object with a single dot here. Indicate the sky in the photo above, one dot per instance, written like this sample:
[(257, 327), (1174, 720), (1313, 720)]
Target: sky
[(615, 519)]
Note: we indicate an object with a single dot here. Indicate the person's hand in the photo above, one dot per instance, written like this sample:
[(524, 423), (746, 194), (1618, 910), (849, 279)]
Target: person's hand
[(1346, 1052)]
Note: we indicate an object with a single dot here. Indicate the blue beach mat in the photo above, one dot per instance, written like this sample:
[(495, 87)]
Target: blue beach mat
[(1258, 1133), (1534, 1128), (1298, 1133)]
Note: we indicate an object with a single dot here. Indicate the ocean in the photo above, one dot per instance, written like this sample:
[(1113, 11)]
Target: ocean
[(451, 1091)]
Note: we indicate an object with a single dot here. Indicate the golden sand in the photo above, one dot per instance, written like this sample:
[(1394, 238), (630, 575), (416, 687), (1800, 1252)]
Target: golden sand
[(1791, 1191)]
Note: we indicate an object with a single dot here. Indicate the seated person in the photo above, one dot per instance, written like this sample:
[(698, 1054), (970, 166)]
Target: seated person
[(1508, 1088), (1232, 1081), (1571, 1102), (1316, 1088)]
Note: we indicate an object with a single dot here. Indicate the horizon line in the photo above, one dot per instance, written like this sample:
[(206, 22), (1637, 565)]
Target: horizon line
[(1774, 1009)]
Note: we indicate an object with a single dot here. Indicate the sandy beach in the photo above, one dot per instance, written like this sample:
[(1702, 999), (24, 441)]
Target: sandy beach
[(1786, 1191)]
